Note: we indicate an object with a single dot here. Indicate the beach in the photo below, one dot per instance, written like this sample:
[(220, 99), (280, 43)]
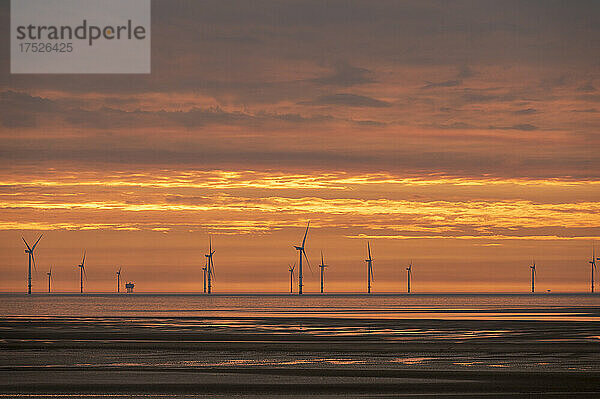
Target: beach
[(256, 353)]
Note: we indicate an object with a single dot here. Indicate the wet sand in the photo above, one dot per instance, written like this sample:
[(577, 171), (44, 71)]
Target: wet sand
[(273, 356)]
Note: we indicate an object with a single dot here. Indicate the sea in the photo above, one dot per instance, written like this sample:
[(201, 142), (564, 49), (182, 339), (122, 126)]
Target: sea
[(542, 307), (223, 345)]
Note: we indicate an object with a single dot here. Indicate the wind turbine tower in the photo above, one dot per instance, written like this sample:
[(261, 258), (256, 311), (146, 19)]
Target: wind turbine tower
[(119, 280), (29, 251), (82, 272), (369, 261), (204, 274), (409, 275), (49, 278), (533, 274), (292, 278), (301, 252), (210, 272), (593, 265), (322, 266)]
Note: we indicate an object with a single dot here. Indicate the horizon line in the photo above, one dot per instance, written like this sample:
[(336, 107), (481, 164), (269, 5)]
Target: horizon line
[(315, 294)]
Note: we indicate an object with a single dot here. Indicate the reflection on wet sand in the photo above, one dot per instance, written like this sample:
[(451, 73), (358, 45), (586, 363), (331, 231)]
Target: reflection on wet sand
[(513, 345)]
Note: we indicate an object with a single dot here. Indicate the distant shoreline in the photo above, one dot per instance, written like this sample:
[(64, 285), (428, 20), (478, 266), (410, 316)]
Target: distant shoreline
[(306, 294)]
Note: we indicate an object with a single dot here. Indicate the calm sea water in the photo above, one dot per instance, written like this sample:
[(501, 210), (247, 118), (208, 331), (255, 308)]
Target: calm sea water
[(576, 307), (176, 332)]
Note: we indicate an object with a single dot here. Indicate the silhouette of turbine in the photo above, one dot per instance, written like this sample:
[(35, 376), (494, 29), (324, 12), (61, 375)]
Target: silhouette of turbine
[(409, 275), (204, 273), (322, 266), (291, 269), (210, 272), (369, 261), (593, 265), (49, 274), (119, 280), (533, 274), (301, 252), (82, 273), (29, 251)]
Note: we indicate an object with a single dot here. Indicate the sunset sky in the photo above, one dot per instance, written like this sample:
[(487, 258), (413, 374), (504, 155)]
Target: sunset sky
[(461, 135)]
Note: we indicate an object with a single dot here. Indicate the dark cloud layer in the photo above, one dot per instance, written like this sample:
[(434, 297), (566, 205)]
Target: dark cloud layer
[(381, 85), (447, 83), (201, 45), (349, 100), (346, 75)]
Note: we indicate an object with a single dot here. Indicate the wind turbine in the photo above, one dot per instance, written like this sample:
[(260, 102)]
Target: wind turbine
[(210, 272), (119, 280), (49, 277), (322, 266), (409, 275), (204, 272), (593, 264), (301, 252), (369, 268), (29, 251), (533, 274), (82, 272), (292, 278)]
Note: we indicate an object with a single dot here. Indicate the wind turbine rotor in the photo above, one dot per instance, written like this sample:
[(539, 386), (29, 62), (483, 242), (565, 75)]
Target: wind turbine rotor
[(36, 243), (27, 245)]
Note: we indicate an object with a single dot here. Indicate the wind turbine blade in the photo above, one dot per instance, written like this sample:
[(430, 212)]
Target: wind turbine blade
[(322, 262), (83, 260), (372, 277), (26, 243), (305, 234), (38, 240), (33, 259), (369, 249), (211, 266), (307, 262)]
